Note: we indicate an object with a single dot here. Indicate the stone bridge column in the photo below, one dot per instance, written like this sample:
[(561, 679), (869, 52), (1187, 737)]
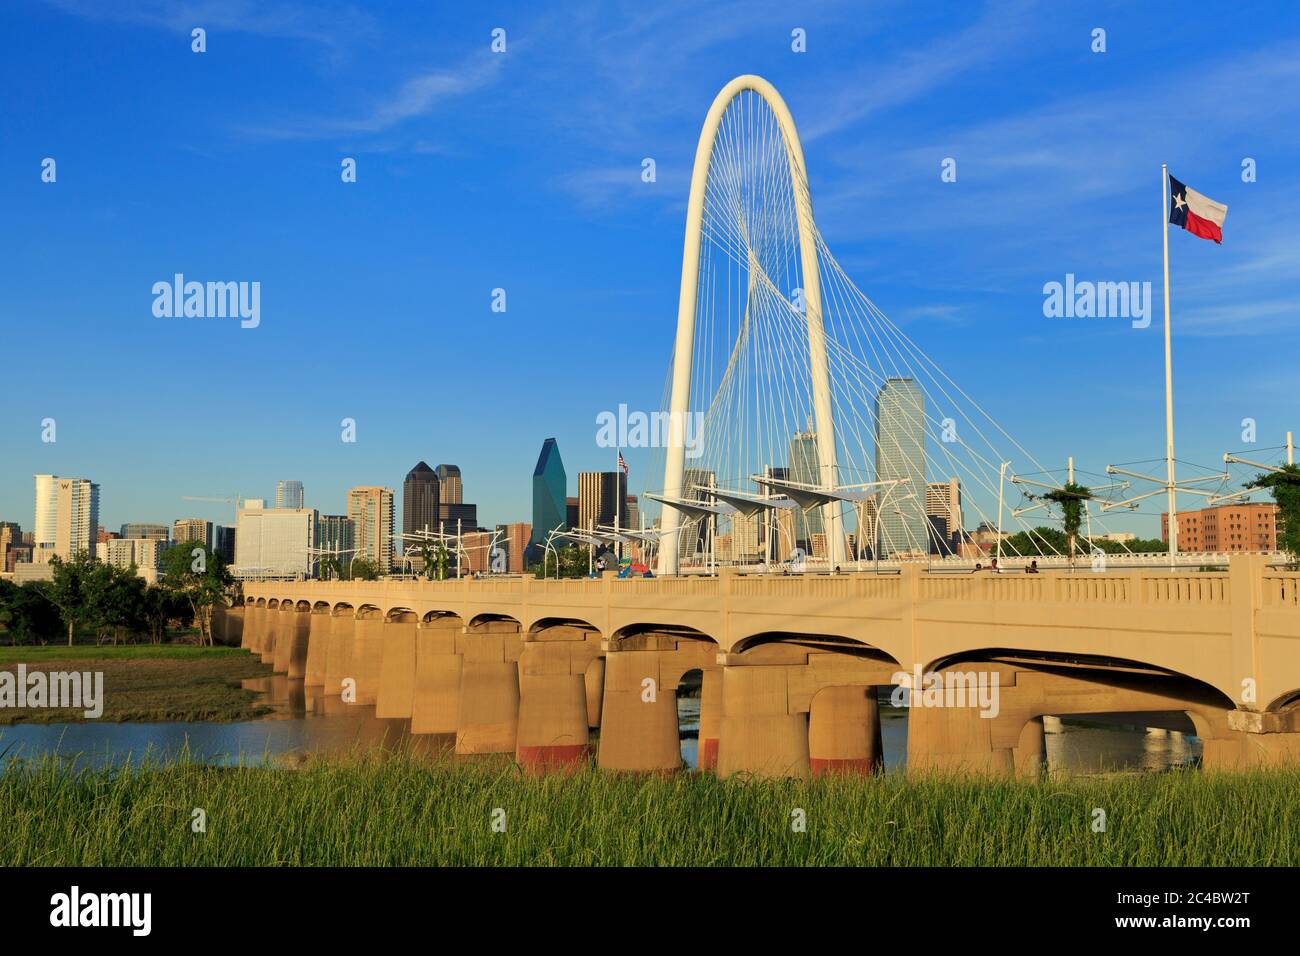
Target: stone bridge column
[(489, 689), (435, 707), (292, 640), (1241, 739), (252, 628), (844, 731), (231, 624), (397, 670), (759, 734), (318, 636), (338, 654), (710, 718), (367, 655), (594, 684), (638, 723), (270, 634), (553, 705), (299, 636), (1007, 740)]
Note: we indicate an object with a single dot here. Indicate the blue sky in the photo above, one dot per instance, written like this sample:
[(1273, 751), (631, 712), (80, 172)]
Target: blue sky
[(522, 171)]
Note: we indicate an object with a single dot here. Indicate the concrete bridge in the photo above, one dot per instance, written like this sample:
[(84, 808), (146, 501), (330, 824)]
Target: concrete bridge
[(790, 665)]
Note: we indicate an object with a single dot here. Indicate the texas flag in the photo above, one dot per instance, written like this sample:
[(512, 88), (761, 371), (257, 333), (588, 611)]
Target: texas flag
[(1199, 215)]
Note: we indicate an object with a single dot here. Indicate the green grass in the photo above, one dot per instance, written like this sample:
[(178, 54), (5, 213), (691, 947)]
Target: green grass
[(148, 682), (413, 811), (113, 652)]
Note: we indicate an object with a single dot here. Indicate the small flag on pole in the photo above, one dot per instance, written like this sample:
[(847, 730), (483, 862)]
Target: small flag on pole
[(621, 463), (1198, 214)]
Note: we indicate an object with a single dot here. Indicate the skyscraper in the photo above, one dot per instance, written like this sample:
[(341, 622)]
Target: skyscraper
[(288, 494), (193, 529), (943, 508), (47, 503), (421, 494), (805, 469), (900, 454), (449, 484), (67, 517), (602, 497), (335, 533), (694, 531), (455, 515), (549, 488), (371, 511)]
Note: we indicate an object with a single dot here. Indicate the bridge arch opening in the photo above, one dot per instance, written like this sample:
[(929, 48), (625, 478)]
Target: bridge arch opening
[(1091, 714)]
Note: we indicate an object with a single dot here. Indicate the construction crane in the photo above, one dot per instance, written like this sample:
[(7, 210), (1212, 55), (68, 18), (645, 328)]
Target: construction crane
[(237, 501)]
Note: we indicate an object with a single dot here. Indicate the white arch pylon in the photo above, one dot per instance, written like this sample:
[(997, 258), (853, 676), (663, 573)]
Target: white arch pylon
[(682, 352)]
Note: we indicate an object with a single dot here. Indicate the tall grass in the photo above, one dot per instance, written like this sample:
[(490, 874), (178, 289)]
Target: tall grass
[(412, 811)]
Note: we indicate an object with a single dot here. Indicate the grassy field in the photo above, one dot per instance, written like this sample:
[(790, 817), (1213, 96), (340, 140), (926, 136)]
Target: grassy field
[(148, 682), (409, 811)]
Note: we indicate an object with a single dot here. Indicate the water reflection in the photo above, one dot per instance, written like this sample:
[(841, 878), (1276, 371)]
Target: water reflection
[(305, 721)]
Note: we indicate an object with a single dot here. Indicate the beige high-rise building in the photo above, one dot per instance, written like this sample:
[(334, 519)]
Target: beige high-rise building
[(144, 553), (450, 489), (745, 538), (47, 504), (76, 516), (371, 509), (943, 500), (192, 529)]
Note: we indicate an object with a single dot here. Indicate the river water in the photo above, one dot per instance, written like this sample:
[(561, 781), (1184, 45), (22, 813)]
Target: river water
[(304, 723)]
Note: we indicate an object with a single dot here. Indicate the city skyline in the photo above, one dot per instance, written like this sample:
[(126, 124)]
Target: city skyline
[(967, 284)]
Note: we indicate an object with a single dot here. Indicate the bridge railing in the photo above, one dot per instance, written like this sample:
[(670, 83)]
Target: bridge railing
[(1282, 589)]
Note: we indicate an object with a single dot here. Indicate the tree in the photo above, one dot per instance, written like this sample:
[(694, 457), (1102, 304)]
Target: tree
[(1070, 497), (329, 568), (1284, 485), (363, 569), (159, 605), (201, 576), (69, 590), (26, 613), (571, 562), (115, 600)]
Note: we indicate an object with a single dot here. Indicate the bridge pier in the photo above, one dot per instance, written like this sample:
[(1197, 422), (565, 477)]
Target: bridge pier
[(338, 654), (367, 654), (488, 721), (270, 632), (594, 684), (396, 695), (252, 627), (553, 706), (710, 719), (297, 631), (760, 736), (318, 636), (435, 707), (844, 731), (639, 727)]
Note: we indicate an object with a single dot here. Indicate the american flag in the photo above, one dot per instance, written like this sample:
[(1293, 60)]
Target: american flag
[(621, 463)]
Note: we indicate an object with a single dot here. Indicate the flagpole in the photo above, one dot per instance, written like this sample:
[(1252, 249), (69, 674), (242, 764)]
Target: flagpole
[(1169, 377)]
